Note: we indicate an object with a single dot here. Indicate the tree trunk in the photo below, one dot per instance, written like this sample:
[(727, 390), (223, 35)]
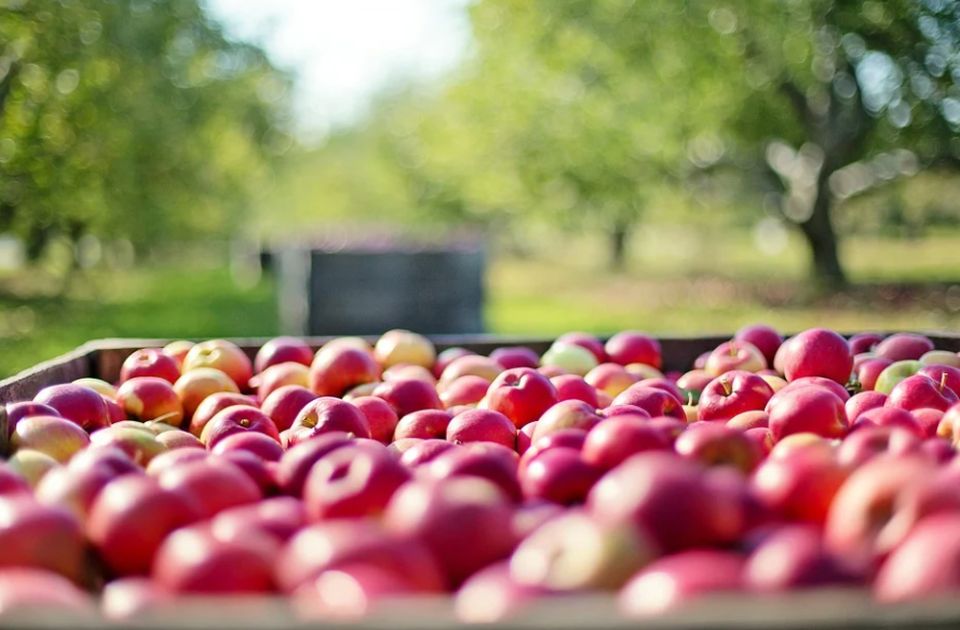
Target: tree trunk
[(619, 234), (825, 269)]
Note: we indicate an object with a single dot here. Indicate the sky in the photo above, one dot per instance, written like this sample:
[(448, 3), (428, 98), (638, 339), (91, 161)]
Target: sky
[(343, 52)]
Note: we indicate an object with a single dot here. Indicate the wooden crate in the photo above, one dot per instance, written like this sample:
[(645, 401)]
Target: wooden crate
[(823, 608)]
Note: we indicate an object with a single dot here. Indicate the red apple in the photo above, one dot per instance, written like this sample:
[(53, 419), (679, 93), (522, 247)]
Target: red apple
[(521, 394), (150, 362), (870, 441), (466, 390), (735, 355), (559, 475), (716, 444), (864, 401), (816, 381), (669, 582), (297, 461), (282, 350), (278, 518), (571, 438), (889, 417), (929, 420), (925, 564), (409, 395), (57, 437), (328, 414), (150, 398), (791, 557), (799, 485), (864, 342), (352, 482), (280, 375), (615, 439), (653, 401), (807, 409), (611, 378), (694, 381), (262, 445), (336, 370), (222, 355), (766, 339), (482, 425), (515, 357), (525, 437), (130, 518), (11, 482), (491, 462), (869, 371), (74, 489), (214, 404), (817, 352), (903, 347), (749, 420), (177, 350), (919, 391), (424, 424), (38, 536), (567, 414), (25, 592), (573, 387), (197, 385), (761, 438), (238, 419), (470, 365), (76, 403), (733, 393), (465, 522), (425, 451), (634, 347), (643, 490), (19, 410), (191, 560), (491, 595), (446, 357), (284, 403), (402, 346), (402, 371), (212, 485)]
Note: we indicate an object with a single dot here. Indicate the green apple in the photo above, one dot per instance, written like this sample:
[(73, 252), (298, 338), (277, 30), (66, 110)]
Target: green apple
[(569, 357), (941, 357), (894, 373)]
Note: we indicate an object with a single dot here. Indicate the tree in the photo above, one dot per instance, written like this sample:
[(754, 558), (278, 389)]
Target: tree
[(135, 119)]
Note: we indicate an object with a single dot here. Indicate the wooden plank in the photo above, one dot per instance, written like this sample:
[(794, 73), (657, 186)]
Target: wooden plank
[(62, 369)]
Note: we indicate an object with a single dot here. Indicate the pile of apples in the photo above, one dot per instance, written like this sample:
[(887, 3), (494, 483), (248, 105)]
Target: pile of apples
[(361, 473)]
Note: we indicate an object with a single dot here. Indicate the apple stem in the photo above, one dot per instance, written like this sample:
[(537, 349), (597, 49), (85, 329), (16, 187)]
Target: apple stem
[(727, 387), (943, 380)]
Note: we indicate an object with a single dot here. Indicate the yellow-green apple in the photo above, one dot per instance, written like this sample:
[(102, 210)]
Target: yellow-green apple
[(806, 410), (611, 378), (817, 352), (150, 362), (733, 393), (569, 357), (656, 402), (238, 419), (521, 394), (222, 355), (482, 425), (31, 465), (57, 437), (100, 386), (38, 536), (919, 391), (177, 350), (404, 371), (178, 439), (642, 370), (868, 442), (903, 347), (717, 445), (670, 582), (150, 398), (587, 341), (282, 350), (79, 404), (402, 346), (15, 412), (510, 357), (941, 357), (631, 346), (616, 438), (775, 382), (352, 482), (140, 444), (199, 383), (735, 355), (765, 338), (338, 369), (408, 395)]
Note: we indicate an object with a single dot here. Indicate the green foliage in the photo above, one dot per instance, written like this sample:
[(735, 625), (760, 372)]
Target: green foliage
[(130, 119)]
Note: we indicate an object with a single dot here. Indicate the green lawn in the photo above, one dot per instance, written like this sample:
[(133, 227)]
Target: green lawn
[(675, 283)]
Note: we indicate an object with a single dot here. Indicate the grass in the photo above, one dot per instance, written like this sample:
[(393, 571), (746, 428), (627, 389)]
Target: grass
[(676, 282)]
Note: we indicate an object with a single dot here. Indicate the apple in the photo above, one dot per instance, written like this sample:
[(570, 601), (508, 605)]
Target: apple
[(924, 565), (573, 387), (214, 404), (796, 442), (150, 398), (402, 346), (463, 521), (238, 419), (667, 583), (643, 490), (150, 362), (817, 352), (572, 358), (869, 441), (572, 438), (424, 452), (929, 420), (132, 597), (716, 444), (330, 544), (446, 357), (515, 357), (864, 401), (918, 391), (585, 341), (465, 390), (38, 536), (944, 374), (336, 370), (79, 404), (130, 518), (222, 355), (807, 409), (24, 592), (11, 482), (31, 465), (408, 395), (566, 414), (611, 378), (869, 371), (694, 382), (212, 485), (819, 382), (656, 402), (735, 355), (262, 445), (470, 365), (73, 488), (666, 385), (278, 518), (634, 347), (351, 482), (762, 439), (941, 358), (192, 560), (178, 439), (15, 412), (889, 417), (766, 339), (297, 460), (482, 425), (57, 437), (198, 384), (491, 462), (257, 469), (558, 475), (733, 393), (139, 443), (114, 459), (349, 592), (530, 515), (492, 595), (521, 394), (791, 557), (100, 386), (903, 347), (749, 420), (328, 414), (177, 350), (525, 437), (282, 350), (799, 485), (424, 424), (282, 405), (864, 342), (615, 439), (278, 375)]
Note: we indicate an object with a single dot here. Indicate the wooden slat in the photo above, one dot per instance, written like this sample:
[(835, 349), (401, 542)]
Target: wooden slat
[(62, 369)]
